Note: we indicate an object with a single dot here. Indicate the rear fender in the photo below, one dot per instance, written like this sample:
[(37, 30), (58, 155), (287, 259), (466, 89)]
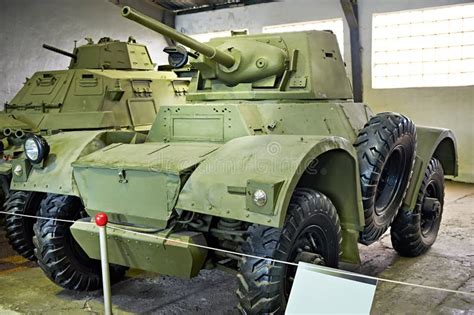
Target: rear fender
[(223, 184), (55, 175), (431, 142)]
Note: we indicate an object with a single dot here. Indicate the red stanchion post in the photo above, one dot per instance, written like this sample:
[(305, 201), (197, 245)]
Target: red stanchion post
[(101, 220)]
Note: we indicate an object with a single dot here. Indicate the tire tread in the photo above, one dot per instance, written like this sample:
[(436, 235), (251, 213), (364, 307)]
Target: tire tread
[(260, 279), (52, 252), (373, 145), (405, 232)]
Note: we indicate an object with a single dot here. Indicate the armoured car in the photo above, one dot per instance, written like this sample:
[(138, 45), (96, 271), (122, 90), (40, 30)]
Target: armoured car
[(272, 160), (110, 85)]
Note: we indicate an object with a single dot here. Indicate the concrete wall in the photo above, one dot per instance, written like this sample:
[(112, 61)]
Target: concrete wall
[(25, 25), (448, 107)]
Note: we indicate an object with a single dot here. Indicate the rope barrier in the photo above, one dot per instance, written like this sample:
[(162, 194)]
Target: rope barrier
[(339, 271)]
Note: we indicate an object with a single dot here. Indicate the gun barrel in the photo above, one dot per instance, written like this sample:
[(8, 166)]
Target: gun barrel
[(210, 52), (60, 51)]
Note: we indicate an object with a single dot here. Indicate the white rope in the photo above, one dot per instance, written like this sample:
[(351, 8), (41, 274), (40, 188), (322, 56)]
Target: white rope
[(343, 272), (204, 246), (36, 217)]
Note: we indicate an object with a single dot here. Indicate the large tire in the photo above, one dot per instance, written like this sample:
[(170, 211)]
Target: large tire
[(58, 254), (19, 230), (386, 152), (264, 286), (414, 232)]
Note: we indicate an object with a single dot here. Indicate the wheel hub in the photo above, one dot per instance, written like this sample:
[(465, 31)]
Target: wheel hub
[(308, 247), (390, 181), (431, 208), (310, 258), (430, 212)]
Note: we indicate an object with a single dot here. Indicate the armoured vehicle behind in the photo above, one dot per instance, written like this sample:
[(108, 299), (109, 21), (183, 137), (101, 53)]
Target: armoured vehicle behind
[(109, 85), (272, 159)]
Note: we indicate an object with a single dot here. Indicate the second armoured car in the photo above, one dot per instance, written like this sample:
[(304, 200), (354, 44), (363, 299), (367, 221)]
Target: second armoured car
[(272, 159), (110, 85)]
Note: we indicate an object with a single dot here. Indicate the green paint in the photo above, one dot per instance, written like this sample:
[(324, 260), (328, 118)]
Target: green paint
[(147, 252), (109, 85), (431, 142), (56, 174), (270, 112)]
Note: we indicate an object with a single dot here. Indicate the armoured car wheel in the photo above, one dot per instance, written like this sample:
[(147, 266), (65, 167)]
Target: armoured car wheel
[(413, 232), (19, 230), (311, 233), (58, 254), (386, 152)]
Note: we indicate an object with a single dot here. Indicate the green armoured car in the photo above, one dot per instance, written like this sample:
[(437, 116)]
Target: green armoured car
[(271, 158), (110, 85)]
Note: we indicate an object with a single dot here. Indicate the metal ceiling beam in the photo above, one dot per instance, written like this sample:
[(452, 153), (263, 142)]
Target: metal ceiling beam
[(351, 13), (224, 5)]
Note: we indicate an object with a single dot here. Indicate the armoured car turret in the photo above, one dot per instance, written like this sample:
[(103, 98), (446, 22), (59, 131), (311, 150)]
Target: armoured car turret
[(273, 159)]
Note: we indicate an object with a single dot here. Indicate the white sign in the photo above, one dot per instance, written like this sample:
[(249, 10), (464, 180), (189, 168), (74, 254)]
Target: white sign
[(321, 290)]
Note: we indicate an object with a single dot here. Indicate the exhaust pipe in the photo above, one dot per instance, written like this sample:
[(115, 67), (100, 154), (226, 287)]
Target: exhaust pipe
[(20, 134), (7, 132)]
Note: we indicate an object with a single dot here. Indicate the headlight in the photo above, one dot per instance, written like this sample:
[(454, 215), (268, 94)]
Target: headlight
[(36, 148), (260, 198)]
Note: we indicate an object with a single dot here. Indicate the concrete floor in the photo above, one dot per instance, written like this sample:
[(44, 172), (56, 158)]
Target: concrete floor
[(449, 264)]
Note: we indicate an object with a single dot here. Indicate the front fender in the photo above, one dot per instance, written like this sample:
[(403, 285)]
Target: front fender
[(55, 176), (56, 173), (222, 185)]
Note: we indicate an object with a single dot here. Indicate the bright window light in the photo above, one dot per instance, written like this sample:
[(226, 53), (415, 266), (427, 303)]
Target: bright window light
[(423, 48), (334, 25), (205, 37)]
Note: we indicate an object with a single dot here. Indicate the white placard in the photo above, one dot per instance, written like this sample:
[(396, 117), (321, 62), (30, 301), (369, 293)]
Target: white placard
[(321, 290)]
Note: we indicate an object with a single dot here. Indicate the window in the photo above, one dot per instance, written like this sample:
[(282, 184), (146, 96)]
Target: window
[(335, 25), (421, 48), (205, 37)]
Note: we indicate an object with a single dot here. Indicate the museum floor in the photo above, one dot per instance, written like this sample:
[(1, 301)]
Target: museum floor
[(449, 264)]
